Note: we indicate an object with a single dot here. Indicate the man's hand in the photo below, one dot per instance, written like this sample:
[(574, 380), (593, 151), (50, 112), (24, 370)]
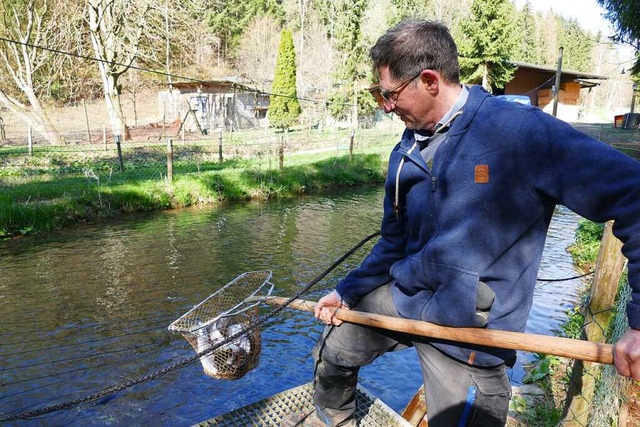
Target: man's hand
[(326, 308), (626, 354)]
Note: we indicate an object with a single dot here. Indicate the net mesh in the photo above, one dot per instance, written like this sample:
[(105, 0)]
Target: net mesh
[(220, 328), (612, 388)]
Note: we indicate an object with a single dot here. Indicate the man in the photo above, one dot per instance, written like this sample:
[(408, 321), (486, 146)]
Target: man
[(470, 192)]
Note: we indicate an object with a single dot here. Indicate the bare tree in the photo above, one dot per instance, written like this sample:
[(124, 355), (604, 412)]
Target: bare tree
[(319, 59), (303, 8), (376, 20), (189, 48), (116, 29), (31, 33), (316, 71), (611, 93), (256, 59)]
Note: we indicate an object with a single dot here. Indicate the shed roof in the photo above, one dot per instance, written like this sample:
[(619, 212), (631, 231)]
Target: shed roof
[(578, 75), (227, 83)]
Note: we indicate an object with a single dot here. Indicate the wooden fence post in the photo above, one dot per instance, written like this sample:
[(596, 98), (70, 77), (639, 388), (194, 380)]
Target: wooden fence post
[(30, 140), (353, 134), (170, 160), (281, 153), (119, 153), (604, 288), (220, 146), (164, 118), (86, 116), (3, 135)]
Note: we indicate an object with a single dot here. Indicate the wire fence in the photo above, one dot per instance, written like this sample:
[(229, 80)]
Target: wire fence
[(609, 400), (87, 148), (589, 394), (166, 157)]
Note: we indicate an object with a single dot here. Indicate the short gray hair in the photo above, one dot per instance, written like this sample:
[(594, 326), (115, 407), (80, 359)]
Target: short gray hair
[(414, 45)]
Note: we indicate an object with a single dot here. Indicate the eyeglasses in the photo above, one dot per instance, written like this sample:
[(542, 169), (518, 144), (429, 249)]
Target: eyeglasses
[(390, 97)]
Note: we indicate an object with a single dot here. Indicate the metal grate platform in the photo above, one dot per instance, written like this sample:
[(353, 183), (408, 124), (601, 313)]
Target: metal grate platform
[(371, 411)]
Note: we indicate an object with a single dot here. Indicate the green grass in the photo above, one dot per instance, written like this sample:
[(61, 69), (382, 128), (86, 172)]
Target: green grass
[(56, 200), (585, 249)]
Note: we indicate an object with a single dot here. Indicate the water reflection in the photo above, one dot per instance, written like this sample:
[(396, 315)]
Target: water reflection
[(88, 308)]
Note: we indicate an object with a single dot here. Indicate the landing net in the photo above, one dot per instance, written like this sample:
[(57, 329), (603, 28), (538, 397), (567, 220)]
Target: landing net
[(217, 327)]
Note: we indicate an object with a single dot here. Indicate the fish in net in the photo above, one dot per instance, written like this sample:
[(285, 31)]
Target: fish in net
[(228, 351), (220, 328)]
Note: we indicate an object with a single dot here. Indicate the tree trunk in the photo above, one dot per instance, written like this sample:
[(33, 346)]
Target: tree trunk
[(114, 107), (45, 128), (485, 78), (35, 118)]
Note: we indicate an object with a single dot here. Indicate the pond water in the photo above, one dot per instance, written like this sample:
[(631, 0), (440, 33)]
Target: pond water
[(86, 310)]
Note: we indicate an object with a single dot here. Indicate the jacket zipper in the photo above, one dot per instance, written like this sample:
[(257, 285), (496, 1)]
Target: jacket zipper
[(396, 202)]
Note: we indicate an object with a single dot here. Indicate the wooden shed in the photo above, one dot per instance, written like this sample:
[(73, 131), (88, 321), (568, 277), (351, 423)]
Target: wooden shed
[(204, 106), (537, 81)]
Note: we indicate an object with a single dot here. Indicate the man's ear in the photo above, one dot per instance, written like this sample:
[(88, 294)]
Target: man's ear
[(431, 79)]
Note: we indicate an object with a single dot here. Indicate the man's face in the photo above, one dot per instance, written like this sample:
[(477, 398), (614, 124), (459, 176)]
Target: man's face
[(412, 102)]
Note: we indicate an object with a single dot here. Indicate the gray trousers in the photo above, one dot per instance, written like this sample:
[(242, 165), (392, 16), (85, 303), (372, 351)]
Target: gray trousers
[(456, 394)]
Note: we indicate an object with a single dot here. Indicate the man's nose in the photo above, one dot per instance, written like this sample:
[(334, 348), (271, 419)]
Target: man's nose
[(388, 107)]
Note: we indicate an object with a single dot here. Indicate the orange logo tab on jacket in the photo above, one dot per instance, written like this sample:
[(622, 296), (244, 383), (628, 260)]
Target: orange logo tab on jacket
[(482, 174)]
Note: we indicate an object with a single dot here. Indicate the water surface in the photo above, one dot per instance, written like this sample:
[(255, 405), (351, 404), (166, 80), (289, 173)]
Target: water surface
[(88, 308)]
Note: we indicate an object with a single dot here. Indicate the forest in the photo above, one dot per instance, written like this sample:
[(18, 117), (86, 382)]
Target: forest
[(56, 53)]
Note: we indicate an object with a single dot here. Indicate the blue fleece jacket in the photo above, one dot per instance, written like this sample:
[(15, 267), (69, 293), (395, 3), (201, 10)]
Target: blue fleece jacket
[(483, 212)]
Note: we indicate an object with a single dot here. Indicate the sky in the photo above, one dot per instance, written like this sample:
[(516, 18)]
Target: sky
[(587, 12)]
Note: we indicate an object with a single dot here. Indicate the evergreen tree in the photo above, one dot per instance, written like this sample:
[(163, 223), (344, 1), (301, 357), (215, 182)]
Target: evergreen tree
[(625, 16), (488, 44), (541, 39), (408, 9), (348, 41), (577, 45), (549, 30), (284, 108), (527, 46), (326, 10)]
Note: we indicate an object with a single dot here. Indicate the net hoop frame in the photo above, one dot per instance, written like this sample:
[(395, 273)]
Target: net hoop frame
[(232, 311), (236, 307)]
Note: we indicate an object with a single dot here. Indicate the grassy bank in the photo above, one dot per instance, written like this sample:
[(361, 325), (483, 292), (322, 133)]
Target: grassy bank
[(51, 187), (48, 204)]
